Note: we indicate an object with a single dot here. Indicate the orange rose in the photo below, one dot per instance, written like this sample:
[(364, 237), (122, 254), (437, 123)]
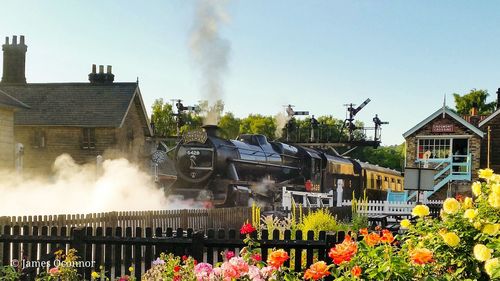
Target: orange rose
[(277, 258), (421, 256), (356, 271), (372, 239), (363, 231), (387, 236), (317, 271), (344, 251)]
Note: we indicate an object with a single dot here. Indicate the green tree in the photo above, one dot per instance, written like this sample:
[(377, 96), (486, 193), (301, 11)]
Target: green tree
[(163, 118), (463, 103), (229, 125), (259, 124), (384, 156)]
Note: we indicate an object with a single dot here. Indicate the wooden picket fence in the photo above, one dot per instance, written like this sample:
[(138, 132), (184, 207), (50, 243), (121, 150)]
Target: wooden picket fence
[(119, 248), (188, 218)]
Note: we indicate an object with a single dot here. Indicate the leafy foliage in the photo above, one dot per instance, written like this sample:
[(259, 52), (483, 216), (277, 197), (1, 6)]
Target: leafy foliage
[(319, 220), (230, 126), (465, 102), (258, 124), (163, 119)]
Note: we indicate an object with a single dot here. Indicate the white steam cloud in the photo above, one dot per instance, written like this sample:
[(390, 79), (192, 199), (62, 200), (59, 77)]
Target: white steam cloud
[(281, 120), (79, 189), (210, 51)]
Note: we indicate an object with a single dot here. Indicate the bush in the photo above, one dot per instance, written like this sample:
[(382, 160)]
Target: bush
[(319, 220)]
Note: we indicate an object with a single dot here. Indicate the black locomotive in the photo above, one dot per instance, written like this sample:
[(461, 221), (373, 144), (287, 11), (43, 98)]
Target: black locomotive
[(250, 168)]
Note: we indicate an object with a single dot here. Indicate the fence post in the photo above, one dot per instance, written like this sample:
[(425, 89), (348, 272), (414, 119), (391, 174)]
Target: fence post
[(197, 245), (78, 243)]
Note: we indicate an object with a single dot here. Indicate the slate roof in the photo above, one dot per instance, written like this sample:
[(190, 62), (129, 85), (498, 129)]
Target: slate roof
[(450, 113), (72, 104), (8, 101)]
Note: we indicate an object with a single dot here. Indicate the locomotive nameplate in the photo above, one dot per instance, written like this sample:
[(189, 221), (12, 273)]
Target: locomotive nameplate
[(198, 135)]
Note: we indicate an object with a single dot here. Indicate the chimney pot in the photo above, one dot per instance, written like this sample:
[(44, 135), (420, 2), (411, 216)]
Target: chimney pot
[(498, 99), (109, 69), (14, 61), (101, 69), (94, 69)]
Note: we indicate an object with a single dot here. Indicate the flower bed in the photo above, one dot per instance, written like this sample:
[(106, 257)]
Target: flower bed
[(463, 244)]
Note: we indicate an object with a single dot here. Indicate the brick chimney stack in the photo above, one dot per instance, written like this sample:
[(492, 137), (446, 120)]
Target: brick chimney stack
[(14, 61), (101, 77), (498, 98)]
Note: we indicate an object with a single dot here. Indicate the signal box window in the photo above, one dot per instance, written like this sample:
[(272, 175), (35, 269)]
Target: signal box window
[(88, 138), (439, 148)]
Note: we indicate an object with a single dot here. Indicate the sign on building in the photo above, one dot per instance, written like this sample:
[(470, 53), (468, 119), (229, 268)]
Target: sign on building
[(443, 128)]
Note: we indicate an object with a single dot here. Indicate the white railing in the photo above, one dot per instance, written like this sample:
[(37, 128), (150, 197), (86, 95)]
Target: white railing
[(377, 208), (307, 199)]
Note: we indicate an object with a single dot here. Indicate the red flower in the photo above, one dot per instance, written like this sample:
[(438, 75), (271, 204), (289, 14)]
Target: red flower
[(256, 257), (356, 271), (229, 255), (247, 228), (184, 257), (344, 251), (177, 268)]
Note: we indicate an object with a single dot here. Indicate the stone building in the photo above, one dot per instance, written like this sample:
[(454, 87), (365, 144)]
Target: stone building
[(8, 105), (101, 117), (490, 147), (447, 142)]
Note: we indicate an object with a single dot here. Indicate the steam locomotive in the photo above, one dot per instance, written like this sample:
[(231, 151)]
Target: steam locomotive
[(250, 168)]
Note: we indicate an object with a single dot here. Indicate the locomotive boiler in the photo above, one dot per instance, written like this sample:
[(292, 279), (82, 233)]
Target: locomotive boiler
[(250, 168)]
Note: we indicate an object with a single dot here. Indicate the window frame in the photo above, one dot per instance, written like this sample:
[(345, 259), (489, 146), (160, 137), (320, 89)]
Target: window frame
[(88, 138)]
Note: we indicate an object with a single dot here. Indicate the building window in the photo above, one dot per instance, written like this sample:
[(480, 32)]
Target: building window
[(39, 139), (88, 138), (438, 148)]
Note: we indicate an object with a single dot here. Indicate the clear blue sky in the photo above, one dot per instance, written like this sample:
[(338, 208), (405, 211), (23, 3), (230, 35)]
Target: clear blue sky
[(318, 55)]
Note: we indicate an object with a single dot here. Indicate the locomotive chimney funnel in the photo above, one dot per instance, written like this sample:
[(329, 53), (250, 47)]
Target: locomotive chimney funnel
[(211, 130)]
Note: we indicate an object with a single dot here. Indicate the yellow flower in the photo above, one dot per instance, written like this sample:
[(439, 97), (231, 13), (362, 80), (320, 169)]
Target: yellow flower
[(451, 239), (496, 188), (481, 252), (490, 265), (476, 188), (491, 229), (405, 223), (468, 203), (477, 225), (494, 200), (131, 269), (95, 275), (485, 173), (420, 210), (451, 206), (495, 178), (470, 213)]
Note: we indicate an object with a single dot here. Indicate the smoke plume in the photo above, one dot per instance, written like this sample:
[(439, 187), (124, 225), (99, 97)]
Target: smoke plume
[(76, 189), (210, 51), (281, 120)]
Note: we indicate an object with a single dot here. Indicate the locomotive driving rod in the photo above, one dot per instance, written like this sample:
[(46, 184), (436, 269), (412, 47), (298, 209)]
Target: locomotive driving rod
[(263, 164)]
